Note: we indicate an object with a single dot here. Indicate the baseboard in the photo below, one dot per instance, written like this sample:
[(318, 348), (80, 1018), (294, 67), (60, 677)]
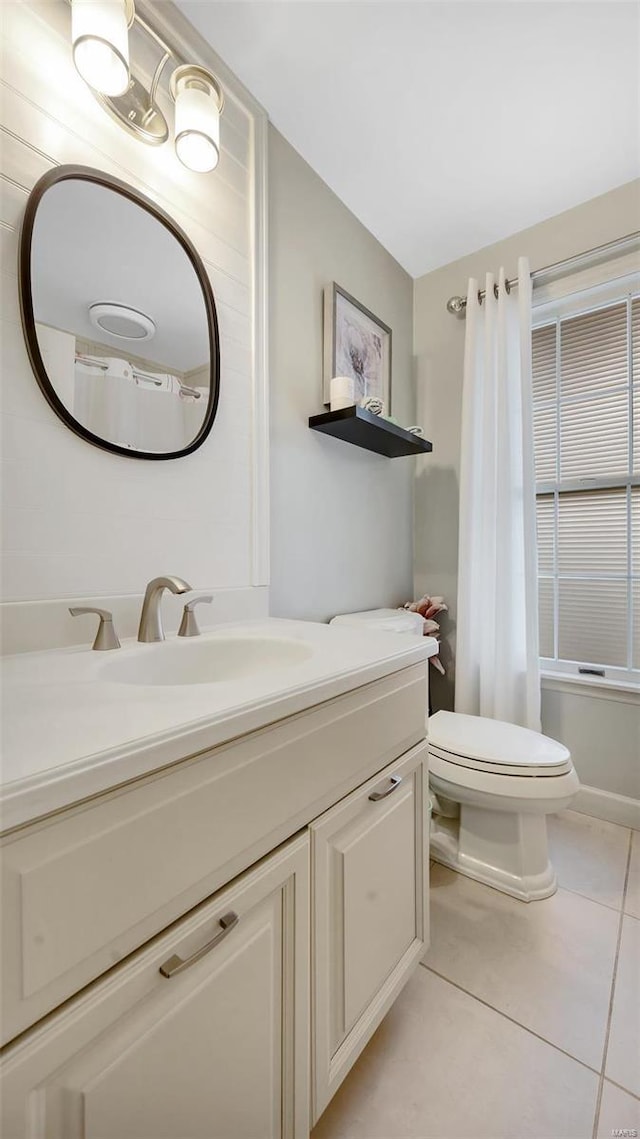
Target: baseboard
[(605, 805)]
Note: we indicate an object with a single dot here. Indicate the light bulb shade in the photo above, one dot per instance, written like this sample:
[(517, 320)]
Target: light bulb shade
[(100, 35), (198, 99)]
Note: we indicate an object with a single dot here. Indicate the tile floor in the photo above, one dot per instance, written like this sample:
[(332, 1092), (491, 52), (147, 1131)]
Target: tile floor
[(524, 1020)]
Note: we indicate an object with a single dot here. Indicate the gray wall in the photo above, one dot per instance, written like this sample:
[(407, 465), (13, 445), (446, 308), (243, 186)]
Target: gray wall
[(439, 350), (341, 517), (603, 735)]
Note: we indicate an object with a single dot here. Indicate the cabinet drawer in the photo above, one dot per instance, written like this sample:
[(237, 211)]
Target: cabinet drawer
[(370, 912), (87, 887), (217, 1050)]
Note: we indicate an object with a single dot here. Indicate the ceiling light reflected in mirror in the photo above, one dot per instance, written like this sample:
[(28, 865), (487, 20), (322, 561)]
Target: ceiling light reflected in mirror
[(121, 321)]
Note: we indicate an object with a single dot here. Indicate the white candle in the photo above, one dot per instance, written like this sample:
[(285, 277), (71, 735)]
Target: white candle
[(342, 392)]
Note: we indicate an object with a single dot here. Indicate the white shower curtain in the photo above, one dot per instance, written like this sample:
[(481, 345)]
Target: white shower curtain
[(497, 665)]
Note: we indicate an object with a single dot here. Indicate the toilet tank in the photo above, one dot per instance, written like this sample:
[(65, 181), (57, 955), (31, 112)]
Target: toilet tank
[(389, 621)]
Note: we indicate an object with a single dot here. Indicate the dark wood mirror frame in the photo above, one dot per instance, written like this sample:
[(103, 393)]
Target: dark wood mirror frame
[(88, 174)]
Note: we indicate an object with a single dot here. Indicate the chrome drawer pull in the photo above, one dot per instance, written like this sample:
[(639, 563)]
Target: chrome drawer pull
[(175, 964), (395, 781)]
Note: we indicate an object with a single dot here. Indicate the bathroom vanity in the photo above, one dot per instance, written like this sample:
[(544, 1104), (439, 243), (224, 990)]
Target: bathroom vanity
[(209, 907)]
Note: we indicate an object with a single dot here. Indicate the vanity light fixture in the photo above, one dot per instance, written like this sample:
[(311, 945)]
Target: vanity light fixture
[(100, 35), (99, 30), (199, 100)]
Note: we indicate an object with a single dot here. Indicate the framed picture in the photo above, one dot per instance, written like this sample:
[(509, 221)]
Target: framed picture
[(356, 344)]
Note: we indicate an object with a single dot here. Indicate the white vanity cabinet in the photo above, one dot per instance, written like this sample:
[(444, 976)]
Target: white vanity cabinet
[(250, 1038), (218, 1050), (370, 915)]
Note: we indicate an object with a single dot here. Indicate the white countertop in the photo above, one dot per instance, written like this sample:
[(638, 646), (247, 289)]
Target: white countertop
[(69, 733)]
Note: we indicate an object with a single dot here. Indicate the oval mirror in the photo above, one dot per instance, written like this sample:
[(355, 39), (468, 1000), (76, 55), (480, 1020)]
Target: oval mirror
[(118, 316)]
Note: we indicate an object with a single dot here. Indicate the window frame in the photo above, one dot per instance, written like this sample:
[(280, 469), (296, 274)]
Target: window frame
[(564, 305)]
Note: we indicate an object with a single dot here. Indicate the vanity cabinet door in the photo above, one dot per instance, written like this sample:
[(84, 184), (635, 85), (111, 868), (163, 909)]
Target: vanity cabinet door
[(370, 866), (207, 1053)]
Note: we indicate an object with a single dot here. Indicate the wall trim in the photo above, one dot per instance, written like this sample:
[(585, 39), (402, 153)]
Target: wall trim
[(571, 685), (605, 805), (260, 530)]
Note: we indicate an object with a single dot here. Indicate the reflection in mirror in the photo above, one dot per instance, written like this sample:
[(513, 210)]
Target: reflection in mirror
[(122, 316)]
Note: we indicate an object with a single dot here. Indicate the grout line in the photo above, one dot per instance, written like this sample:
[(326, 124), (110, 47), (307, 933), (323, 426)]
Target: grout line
[(506, 1016), (633, 1095), (596, 1119), (588, 898)]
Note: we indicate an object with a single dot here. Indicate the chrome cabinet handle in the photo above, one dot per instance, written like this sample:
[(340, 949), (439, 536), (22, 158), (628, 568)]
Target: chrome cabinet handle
[(188, 624), (395, 781), (176, 964), (106, 637)]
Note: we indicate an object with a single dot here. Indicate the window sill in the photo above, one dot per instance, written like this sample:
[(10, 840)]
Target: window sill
[(624, 691)]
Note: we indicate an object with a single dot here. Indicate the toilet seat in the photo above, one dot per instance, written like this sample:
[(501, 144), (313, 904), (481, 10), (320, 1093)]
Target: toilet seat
[(494, 747), (518, 769)]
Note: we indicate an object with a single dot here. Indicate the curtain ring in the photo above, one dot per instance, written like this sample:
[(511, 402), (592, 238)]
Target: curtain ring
[(496, 291), (507, 285), (480, 296)]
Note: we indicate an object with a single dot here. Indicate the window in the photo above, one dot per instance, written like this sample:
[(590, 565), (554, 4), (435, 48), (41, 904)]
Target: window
[(586, 391)]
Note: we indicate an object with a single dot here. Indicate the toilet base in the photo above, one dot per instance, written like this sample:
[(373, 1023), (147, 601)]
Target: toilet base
[(505, 850)]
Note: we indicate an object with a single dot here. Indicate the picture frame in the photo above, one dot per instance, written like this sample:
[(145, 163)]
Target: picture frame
[(356, 344)]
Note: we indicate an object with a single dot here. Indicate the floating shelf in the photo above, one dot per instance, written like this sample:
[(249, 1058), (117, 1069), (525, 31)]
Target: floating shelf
[(364, 429)]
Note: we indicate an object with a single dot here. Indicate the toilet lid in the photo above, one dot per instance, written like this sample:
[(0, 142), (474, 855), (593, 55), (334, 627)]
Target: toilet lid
[(385, 620), (490, 744)]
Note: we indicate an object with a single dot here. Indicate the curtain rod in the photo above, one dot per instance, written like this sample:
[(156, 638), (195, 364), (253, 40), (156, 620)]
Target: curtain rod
[(457, 305)]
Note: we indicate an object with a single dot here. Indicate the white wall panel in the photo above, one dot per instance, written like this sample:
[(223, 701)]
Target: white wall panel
[(78, 521)]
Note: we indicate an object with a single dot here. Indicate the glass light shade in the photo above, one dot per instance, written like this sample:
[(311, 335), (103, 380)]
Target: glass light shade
[(197, 120), (99, 31)]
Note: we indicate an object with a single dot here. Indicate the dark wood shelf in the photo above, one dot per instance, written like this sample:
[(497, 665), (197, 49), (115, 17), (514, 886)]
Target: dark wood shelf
[(363, 429)]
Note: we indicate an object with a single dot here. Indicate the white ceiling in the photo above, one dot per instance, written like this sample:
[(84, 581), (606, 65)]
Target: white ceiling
[(91, 244), (444, 126)]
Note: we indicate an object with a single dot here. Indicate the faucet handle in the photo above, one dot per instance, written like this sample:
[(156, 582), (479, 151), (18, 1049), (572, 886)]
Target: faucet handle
[(189, 625), (106, 637)]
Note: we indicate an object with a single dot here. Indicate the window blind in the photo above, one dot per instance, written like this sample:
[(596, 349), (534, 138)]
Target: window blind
[(636, 623), (586, 392)]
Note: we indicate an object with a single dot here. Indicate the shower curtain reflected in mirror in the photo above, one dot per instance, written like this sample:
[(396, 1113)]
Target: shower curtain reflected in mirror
[(141, 410)]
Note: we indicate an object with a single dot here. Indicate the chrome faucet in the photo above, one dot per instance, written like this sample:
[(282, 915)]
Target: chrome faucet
[(151, 618)]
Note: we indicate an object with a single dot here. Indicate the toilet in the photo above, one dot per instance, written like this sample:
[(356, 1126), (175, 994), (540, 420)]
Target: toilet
[(492, 785)]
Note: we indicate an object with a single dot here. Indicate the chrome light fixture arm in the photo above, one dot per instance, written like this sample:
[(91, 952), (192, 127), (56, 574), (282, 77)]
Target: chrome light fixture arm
[(157, 75)]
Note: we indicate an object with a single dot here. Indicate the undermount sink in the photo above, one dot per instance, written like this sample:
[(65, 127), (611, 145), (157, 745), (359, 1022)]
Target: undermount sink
[(205, 661)]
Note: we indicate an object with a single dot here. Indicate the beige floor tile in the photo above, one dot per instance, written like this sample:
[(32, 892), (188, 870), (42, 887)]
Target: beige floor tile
[(443, 1066), (632, 900), (547, 964), (589, 856), (619, 1113), (623, 1053)]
